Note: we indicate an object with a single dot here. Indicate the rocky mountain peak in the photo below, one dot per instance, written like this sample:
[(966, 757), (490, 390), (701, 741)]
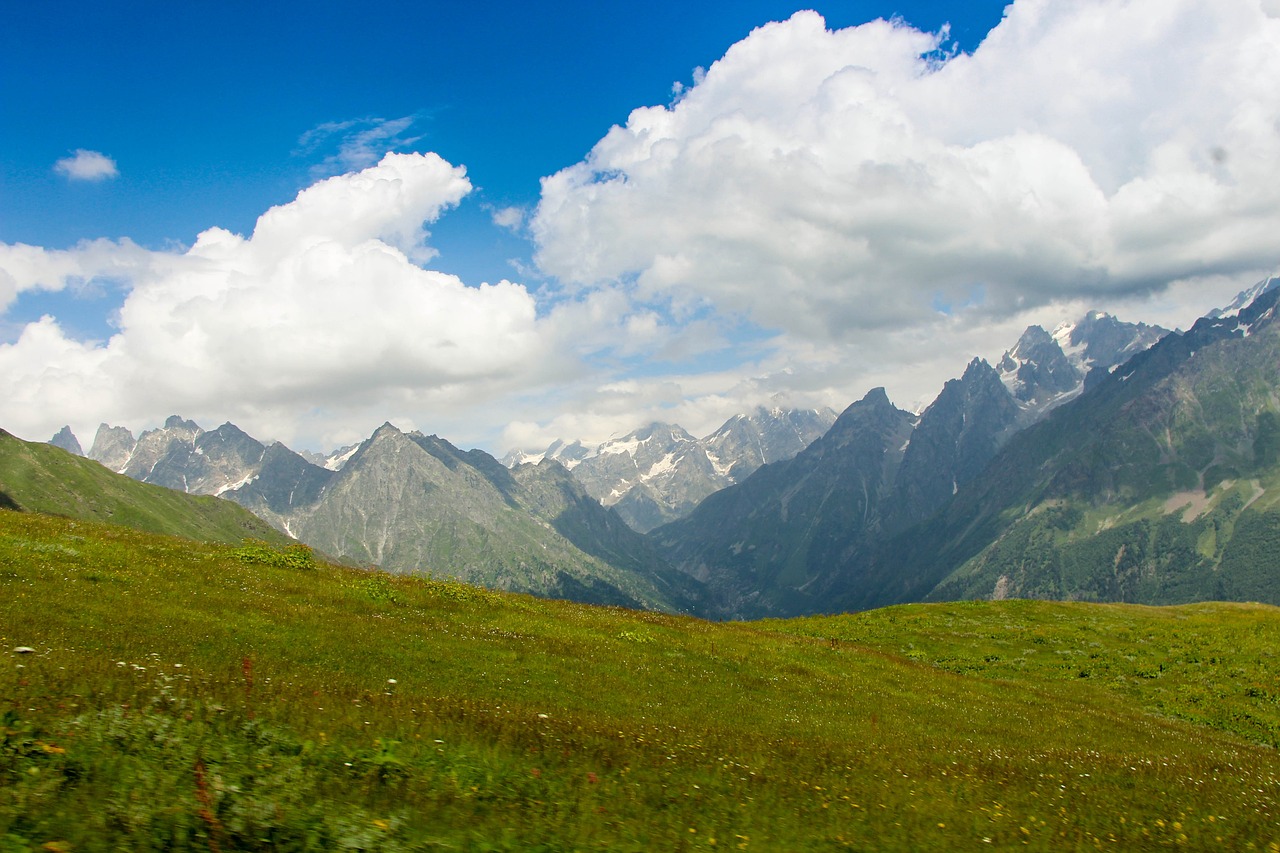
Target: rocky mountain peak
[(67, 440), (112, 446), (175, 423)]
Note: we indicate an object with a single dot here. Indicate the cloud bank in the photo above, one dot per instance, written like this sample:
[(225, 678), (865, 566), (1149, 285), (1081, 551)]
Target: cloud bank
[(324, 308), (829, 184)]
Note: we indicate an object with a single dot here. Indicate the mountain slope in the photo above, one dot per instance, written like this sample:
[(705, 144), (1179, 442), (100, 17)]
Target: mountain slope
[(415, 504), (1160, 484), (41, 478), (809, 535), (765, 546)]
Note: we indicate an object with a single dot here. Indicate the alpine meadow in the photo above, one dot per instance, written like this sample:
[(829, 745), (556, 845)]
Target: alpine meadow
[(599, 427)]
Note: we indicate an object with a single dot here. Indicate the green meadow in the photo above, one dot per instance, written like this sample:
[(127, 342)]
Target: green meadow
[(162, 694)]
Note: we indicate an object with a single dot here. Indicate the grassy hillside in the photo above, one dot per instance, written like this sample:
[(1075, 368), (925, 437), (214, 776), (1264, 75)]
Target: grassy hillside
[(207, 697), (42, 478)]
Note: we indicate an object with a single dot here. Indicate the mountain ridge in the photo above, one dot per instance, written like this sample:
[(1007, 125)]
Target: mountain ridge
[(659, 472)]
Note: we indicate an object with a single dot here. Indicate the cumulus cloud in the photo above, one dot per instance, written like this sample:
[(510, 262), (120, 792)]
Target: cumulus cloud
[(24, 267), (86, 165), (323, 308), (828, 184), (815, 214)]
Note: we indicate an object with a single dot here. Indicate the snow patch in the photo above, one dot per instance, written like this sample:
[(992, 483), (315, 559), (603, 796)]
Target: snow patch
[(662, 466), (721, 469), (335, 463), (231, 487), (620, 446)]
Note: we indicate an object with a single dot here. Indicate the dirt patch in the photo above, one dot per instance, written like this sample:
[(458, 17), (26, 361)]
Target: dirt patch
[(1192, 504)]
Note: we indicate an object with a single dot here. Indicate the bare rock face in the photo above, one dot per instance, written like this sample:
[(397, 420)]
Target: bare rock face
[(112, 446), (67, 440)]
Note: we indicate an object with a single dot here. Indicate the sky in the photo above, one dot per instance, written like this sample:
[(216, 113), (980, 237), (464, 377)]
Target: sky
[(507, 223)]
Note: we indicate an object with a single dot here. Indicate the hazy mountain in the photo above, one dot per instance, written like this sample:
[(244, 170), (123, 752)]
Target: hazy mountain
[(332, 461), (67, 440), (1044, 370), (413, 503), (180, 455), (112, 446), (660, 472)]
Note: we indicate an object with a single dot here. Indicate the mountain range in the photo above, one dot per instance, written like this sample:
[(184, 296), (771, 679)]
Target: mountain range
[(1101, 460), (415, 504), (1146, 482), (660, 473)]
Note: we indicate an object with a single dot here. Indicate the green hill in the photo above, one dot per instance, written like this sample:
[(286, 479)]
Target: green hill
[(164, 694), (42, 478)]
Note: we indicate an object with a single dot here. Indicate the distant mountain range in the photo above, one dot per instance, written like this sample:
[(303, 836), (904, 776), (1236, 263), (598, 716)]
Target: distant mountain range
[(1101, 460), (661, 472), (411, 503)]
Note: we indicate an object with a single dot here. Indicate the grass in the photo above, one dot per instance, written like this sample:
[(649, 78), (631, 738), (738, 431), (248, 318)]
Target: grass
[(211, 697)]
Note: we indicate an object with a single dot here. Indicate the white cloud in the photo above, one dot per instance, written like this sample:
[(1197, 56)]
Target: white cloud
[(829, 184), (879, 212), (86, 165), (24, 267), (510, 218), (321, 313)]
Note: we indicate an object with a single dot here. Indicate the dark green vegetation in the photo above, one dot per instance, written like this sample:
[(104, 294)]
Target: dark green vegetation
[(42, 478), (212, 697)]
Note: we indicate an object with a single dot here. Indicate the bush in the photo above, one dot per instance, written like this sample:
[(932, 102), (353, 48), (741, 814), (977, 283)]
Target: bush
[(294, 556)]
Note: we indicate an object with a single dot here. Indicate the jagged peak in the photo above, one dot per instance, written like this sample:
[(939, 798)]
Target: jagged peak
[(66, 439), (228, 428), (1032, 335), (877, 395), (978, 368), (178, 422)]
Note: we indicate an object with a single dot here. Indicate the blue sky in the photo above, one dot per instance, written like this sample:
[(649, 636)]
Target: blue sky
[(645, 281), (202, 105)]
